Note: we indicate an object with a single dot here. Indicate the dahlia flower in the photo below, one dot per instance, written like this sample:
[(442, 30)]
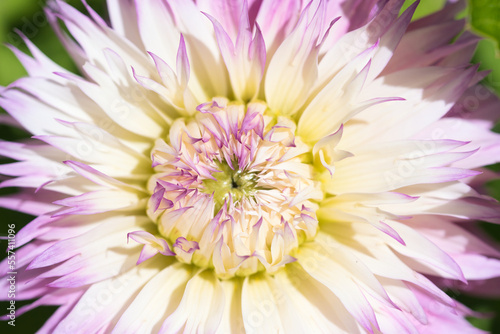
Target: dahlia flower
[(273, 166)]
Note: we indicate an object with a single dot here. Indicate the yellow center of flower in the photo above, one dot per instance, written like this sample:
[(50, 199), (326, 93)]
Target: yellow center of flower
[(230, 183), (231, 191)]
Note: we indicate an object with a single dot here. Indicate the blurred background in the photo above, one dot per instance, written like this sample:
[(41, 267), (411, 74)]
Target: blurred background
[(483, 17)]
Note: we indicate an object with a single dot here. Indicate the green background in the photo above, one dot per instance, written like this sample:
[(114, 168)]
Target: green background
[(27, 16)]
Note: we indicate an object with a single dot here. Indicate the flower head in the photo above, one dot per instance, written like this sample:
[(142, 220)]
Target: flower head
[(232, 182), (252, 167)]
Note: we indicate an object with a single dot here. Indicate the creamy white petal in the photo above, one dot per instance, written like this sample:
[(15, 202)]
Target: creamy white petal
[(201, 307), (158, 299), (259, 306)]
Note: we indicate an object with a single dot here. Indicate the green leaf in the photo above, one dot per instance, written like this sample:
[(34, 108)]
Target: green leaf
[(484, 18), (426, 7)]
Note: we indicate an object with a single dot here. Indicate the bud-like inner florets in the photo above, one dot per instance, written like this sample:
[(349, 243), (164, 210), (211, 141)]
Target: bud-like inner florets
[(230, 189)]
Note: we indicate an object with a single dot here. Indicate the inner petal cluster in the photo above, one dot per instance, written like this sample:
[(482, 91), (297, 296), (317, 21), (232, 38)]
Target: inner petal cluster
[(231, 190)]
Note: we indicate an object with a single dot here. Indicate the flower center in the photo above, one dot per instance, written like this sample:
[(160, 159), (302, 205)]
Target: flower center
[(230, 183), (231, 191)]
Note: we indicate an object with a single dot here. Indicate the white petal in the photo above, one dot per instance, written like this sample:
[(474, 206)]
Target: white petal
[(157, 28), (320, 263), (389, 166), (101, 305), (201, 307), (259, 306), (232, 320), (308, 307), (293, 68), (159, 298)]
